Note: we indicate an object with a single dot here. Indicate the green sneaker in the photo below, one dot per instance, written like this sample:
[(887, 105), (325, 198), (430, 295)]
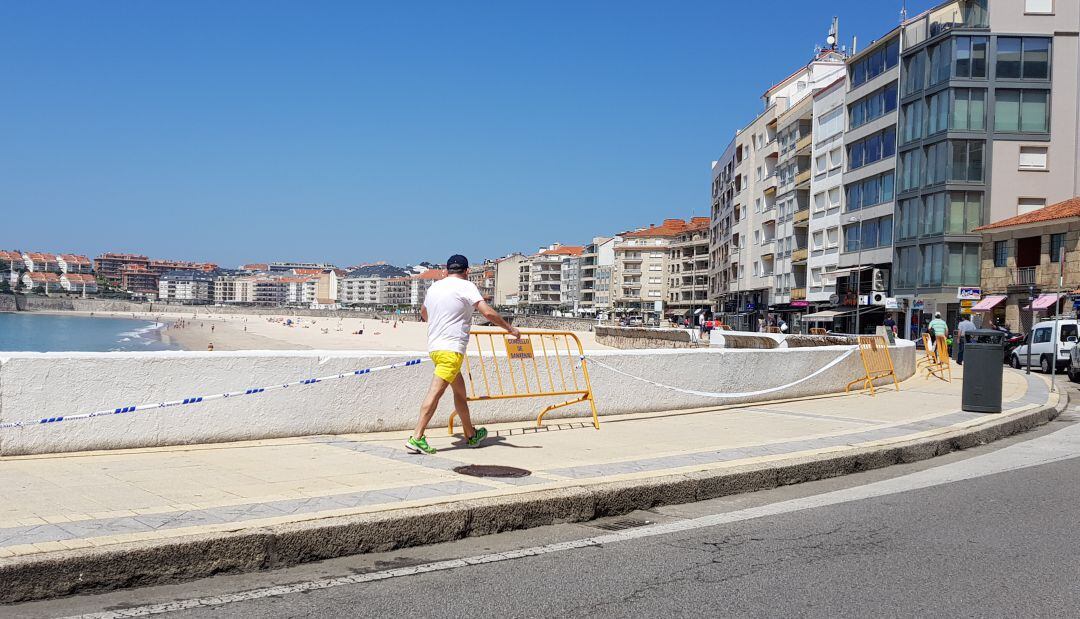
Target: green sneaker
[(419, 445), (479, 435)]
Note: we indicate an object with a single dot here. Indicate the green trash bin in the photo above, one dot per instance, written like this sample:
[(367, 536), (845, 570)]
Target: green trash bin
[(983, 371)]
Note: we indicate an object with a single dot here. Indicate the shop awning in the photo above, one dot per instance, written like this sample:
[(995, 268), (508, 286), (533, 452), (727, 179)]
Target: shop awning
[(988, 303), (825, 316), (1044, 301)]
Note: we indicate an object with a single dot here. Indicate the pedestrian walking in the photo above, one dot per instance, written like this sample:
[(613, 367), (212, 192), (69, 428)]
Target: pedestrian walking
[(448, 309), (890, 323), (962, 328)]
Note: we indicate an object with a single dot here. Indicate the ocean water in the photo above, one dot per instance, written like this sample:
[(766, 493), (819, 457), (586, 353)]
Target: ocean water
[(24, 331)]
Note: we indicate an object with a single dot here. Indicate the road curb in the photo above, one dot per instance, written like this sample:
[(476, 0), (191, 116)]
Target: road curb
[(188, 558)]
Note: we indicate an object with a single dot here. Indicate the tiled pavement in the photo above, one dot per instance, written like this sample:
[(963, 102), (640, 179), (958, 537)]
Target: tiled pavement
[(102, 498)]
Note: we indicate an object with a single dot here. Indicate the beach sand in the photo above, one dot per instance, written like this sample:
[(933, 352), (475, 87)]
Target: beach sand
[(260, 332)]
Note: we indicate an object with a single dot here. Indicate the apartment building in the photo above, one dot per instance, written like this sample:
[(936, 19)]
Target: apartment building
[(45, 282), (79, 283), (363, 290), (640, 272), (826, 196), (597, 261), (1023, 257), (284, 267), (483, 277), (74, 263), (551, 279), (508, 280), (138, 279), (408, 293), (988, 118), (791, 217), (688, 271), (233, 287), (188, 287)]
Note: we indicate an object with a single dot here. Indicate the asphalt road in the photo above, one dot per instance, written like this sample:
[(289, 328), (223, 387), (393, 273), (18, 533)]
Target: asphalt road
[(988, 532)]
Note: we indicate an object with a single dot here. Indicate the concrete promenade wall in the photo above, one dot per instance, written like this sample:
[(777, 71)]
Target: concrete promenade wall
[(7, 303), (41, 385)]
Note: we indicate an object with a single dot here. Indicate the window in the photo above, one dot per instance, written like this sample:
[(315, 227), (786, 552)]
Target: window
[(656, 254), (1023, 58), (907, 259), (834, 197), (914, 123), (819, 202), (911, 169), (870, 191), (654, 293), (654, 280), (873, 106), (1033, 157), (874, 147), (836, 158), (932, 217), (914, 73), (1042, 335), (969, 109), (938, 116), (908, 225), (832, 237), (820, 164), (1057, 242), (830, 123), (818, 240), (969, 59), (876, 63), (1045, 7), (656, 267), (965, 211), (937, 161), (967, 161), (962, 266), (940, 61), (1027, 205), (1001, 253), (1021, 110), (932, 264), (851, 238)]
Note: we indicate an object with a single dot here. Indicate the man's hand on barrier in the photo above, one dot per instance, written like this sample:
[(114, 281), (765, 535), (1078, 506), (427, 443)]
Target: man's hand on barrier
[(514, 332)]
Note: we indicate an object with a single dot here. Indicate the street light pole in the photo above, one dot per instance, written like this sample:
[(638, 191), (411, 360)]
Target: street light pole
[(1031, 329)]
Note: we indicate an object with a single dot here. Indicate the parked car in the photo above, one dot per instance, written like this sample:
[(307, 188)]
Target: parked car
[(1074, 364), (1043, 350), (634, 322)]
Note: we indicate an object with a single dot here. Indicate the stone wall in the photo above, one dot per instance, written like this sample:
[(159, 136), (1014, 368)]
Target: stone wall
[(7, 303), (628, 338), (379, 401)]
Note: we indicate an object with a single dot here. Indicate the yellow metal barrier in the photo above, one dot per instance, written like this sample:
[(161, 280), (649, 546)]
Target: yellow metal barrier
[(817, 331), (940, 366), (928, 352), (874, 351), (560, 370)]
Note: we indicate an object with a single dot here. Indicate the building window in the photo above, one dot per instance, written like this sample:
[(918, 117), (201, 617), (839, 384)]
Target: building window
[(933, 215), (1021, 110), (871, 191), (1057, 241), (914, 73), (937, 162), (1001, 253), (967, 161), (1023, 58), (836, 158), (832, 237), (969, 109), (878, 62), (938, 115), (873, 106), (874, 147), (1027, 205), (970, 57), (911, 169), (1041, 7), (940, 61), (965, 211), (932, 264), (851, 238), (1033, 157), (913, 124), (907, 227)]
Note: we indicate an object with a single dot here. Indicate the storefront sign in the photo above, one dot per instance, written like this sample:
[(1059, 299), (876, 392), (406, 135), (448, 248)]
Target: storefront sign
[(800, 304), (918, 305), (891, 303), (967, 304), (969, 294)]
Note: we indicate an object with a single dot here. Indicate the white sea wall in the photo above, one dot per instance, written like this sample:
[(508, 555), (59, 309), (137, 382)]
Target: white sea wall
[(34, 386)]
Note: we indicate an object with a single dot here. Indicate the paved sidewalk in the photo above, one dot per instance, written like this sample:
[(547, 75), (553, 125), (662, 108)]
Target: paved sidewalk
[(103, 499)]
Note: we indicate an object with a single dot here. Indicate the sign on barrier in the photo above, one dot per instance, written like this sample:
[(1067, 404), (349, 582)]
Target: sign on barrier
[(877, 363), (558, 370)]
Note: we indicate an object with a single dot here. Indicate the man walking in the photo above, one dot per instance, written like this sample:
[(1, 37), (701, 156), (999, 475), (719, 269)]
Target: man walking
[(962, 328), (448, 310)]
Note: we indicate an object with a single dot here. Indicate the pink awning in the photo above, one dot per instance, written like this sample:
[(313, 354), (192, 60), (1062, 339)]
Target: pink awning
[(1044, 301), (988, 303)]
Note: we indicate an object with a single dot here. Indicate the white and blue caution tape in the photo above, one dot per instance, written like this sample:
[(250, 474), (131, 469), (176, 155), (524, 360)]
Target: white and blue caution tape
[(121, 410), (725, 396)]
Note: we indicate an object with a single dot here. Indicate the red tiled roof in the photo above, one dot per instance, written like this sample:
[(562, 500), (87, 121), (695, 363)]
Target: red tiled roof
[(39, 276), (670, 227), (564, 250), (1068, 209), (307, 271), (80, 278), (257, 266), (10, 255), (432, 274)]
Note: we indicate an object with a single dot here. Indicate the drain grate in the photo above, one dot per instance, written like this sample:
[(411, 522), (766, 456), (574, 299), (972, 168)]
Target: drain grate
[(491, 470), (623, 524)]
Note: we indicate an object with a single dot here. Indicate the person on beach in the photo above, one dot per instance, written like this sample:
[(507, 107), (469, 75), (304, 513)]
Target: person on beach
[(448, 310)]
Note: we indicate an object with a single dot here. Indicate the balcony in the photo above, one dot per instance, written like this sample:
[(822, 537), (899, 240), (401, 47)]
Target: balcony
[(1025, 276), (802, 178), (771, 149), (798, 294), (802, 217), (802, 147), (769, 184), (799, 255)]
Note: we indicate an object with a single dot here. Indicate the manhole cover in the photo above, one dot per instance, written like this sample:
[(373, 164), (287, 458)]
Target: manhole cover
[(622, 525), (491, 470)]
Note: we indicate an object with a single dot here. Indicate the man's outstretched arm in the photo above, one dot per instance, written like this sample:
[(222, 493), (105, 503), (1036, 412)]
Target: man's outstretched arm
[(489, 312)]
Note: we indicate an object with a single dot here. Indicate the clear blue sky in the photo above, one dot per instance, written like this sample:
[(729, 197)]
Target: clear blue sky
[(352, 131)]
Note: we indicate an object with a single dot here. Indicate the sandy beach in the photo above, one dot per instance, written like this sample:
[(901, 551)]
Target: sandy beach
[(261, 332)]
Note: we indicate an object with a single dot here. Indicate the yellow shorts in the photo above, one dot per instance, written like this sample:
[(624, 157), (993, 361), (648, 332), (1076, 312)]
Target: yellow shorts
[(447, 364)]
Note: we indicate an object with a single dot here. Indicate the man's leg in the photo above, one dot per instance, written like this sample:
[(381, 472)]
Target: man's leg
[(431, 402), (461, 406)]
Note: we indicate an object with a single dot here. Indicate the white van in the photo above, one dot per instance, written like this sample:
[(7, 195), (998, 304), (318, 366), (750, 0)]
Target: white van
[(1043, 349)]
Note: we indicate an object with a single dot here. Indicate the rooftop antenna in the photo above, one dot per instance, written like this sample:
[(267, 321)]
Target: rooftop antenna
[(834, 33), (903, 11)]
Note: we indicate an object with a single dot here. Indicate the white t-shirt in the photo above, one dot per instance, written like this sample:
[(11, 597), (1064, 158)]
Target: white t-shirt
[(449, 303)]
